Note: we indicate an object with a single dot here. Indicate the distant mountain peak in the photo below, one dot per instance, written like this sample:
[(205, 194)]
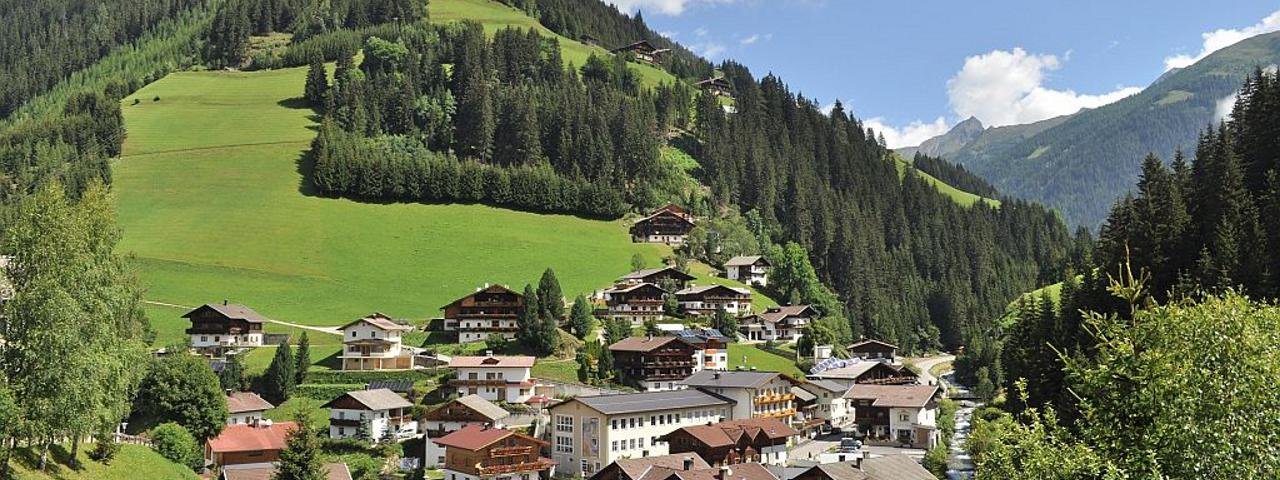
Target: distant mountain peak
[(950, 142)]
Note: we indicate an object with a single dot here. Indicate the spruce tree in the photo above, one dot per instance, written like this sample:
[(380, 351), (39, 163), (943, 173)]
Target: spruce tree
[(317, 86), (280, 378), (302, 359), (232, 377), (301, 458), (529, 319), (550, 298), (580, 317)]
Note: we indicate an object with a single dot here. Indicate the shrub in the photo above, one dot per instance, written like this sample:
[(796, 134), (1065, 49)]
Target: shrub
[(935, 460), (175, 443), (105, 448)]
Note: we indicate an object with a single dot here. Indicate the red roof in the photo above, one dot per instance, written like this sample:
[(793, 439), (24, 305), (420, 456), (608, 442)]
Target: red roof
[(249, 438), (473, 437), (493, 361)]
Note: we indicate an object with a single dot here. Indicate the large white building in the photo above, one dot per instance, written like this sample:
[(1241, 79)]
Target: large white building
[(755, 394), (494, 378), (453, 416), (897, 414), (589, 433), (748, 269), (379, 414), (374, 343)]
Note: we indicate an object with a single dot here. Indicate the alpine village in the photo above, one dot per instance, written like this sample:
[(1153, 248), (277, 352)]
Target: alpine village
[(545, 240)]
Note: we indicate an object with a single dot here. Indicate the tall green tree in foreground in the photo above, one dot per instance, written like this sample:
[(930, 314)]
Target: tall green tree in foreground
[(182, 389), (280, 378), (300, 459), (69, 377)]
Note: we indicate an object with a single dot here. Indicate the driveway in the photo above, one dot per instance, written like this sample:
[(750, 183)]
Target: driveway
[(924, 364)]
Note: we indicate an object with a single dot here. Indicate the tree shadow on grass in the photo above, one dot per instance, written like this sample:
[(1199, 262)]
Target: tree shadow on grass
[(58, 465), (332, 361), (295, 103)]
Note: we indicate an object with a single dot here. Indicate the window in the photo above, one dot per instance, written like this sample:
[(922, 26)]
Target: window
[(631, 422), (342, 430), (902, 417), (564, 423), (613, 424), (586, 467), (653, 419), (564, 444), (204, 338), (641, 443), (632, 442), (353, 334), (613, 446)]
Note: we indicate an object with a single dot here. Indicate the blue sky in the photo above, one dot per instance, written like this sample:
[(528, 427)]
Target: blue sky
[(913, 69)]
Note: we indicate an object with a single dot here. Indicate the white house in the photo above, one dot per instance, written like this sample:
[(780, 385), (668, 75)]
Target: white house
[(374, 343), (748, 269), (755, 394), (453, 416), (494, 378), (379, 413), (218, 328), (780, 324), (245, 408), (829, 403), (590, 432), (897, 414), (708, 299), (712, 348)]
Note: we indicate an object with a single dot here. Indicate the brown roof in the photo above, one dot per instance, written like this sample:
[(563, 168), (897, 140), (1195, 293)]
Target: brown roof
[(745, 260), (644, 344), (648, 272), (908, 396), (474, 437), (631, 288), (241, 402), (741, 471), (376, 399), (234, 311), (888, 467), (497, 361), (778, 314), (250, 438), (870, 341), (728, 432), (700, 289), (634, 468), (486, 289), (483, 407), (379, 320), (267, 471)]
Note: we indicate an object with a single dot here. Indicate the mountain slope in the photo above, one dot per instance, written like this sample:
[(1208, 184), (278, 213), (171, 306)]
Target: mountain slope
[(947, 143), (1079, 164)]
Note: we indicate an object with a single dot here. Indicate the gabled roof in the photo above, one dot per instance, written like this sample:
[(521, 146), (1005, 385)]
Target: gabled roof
[(632, 288), (479, 405), (251, 438), (802, 394), (733, 379), (904, 396), (380, 321), (475, 437), (888, 467), (650, 401), (827, 385), (745, 260), (780, 313), (851, 371), (494, 361), (717, 81), (700, 289), (267, 471), (635, 468), (645, 344), (241, 402), (741, 471), (495, 288), (871, 341), (648, 272), (233, 311), (379, 399), (728, 432), (685, 217), (698, 336)]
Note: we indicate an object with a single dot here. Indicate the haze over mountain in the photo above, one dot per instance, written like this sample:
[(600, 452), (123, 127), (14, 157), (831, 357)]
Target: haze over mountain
[(1080, 163)]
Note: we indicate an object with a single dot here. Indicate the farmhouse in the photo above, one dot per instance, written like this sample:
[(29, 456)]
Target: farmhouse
[(377, 413), (635, 304), (854, 371), (494, 378), (708, 299), (654, 364), (755, 394), (374, 343), (267, 471), (245, 408), (455, 415), (482, 453), (589, 433), (710, 348), (752, 440), (750, 269), (897, 414), (670, 225), (869, 349), (490, 310), (642, 51), (888, 467), (657, 276), (219, 328), (782, 323), (254, 443), (718, 86)]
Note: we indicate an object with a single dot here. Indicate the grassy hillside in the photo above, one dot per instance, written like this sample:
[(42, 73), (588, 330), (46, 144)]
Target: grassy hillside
[(747, 356), (210, 201), (959, 196), (133, 462), (495, 16)]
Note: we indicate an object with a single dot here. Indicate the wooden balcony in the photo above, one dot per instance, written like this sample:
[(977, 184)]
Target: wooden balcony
[(786, 397), (776, 414), (511, 451), (539, 465)]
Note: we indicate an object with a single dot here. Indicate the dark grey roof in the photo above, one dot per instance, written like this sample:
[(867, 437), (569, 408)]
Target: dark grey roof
[(802, 394), (398, 386), (652, 401), (702, 334), (729, 379), (828, 385)]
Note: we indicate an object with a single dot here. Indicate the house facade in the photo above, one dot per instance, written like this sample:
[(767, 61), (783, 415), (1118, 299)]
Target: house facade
[(706, 300), (219, 328), (828, 404), (755, 394), (897, 414), (711, 351), (254, 443), (638, 468), (490, 310), (752, 440), (670, 225), (374, 343), (717, 86), (780, 324), (494, 378), (748, 269), (635, 304), (658, 276), (246, 408), (455, 415), (591, 432), (642, 51), (485, 453), (654, 364), (379, 414)]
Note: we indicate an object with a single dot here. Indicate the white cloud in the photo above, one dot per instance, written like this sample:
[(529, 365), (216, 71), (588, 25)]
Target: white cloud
[(750, 40), (1006, 87), (1222, 38), (912, 134), (666, 7), (700, 32)]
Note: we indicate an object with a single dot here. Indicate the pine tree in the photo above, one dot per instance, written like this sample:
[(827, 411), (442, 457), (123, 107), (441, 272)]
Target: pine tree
[(317, 87), (529, 319), (302, 359), (301, 458), (580, 317), (550, 298), (725, 323), (232, 377), (280, 378)]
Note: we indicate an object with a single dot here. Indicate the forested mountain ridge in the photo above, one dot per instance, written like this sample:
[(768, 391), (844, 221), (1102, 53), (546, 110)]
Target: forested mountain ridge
[(1080, 163)]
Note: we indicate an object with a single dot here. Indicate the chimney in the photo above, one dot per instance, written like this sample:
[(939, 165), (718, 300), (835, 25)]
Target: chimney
[(224, 302), (688, 463), (724, 473), (488, 353)]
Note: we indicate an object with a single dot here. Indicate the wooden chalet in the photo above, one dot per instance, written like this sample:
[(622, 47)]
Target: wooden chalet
[(670, 224), (454, 415), (635, 304), (867, 372), (706, 300), (491, 453), (490, 310), (753, 440), (642, 51), (871, 349), (748, 269), (219, 328), (718, 86), (657, 276), (711, 348), (654, 363), (638, 468), (380, 413)]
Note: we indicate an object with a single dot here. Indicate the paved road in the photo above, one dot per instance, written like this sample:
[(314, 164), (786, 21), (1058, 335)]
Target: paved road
[(926, 363)]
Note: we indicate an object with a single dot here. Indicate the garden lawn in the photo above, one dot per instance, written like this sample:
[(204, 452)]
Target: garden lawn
[(212, 203), (747, 356), (131, 463)]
